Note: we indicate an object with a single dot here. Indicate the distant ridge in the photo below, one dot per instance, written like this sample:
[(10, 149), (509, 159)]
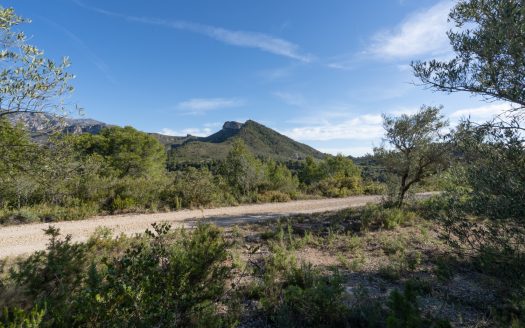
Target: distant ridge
[(261, 140), (41, 124)]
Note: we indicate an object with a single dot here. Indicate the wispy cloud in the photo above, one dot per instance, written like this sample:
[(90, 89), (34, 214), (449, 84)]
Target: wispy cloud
[(199, 132), (248, 39), (353, 151), (421, 33), (363, 127), (197, 106), (85, 49), (401, 110), (344, 62), (482, 113)]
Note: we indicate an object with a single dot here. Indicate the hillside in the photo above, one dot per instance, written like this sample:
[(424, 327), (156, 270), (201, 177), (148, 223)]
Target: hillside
[(261, 140)]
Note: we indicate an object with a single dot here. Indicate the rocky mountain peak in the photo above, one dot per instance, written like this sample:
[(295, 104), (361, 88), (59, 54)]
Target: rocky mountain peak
[(232, 125)]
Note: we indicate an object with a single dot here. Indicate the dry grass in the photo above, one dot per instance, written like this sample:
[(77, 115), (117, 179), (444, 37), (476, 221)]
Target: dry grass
[(378, 260)]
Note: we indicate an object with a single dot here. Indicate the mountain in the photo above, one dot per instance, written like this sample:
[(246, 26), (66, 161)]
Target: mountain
[(41, 124), (261, 140)]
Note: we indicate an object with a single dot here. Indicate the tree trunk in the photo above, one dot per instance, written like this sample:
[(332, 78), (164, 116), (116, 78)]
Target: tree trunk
[(402, 191)]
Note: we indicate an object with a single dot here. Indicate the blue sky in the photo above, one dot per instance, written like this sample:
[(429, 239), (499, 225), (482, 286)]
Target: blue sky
[(321, 72)]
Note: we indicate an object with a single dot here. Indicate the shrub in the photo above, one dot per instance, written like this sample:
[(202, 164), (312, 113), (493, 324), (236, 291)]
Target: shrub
[(47, 213), (193, 188), (160, 279), (310, 299), (18, 318), (376, 216), (242, 171), (51, 278), (273, 196), (133, 194), (335, 176), (404, 311), (278, 178), (161, 282)]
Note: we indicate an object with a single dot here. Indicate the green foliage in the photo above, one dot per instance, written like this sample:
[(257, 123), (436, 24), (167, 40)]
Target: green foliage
[(161, 279), (277, 177), (492, 171), (47, 213), (299, 296), (335, 176), (50, 278), (161, 283), (259, 139), (18, 318), (418, 149), (127, 152), (29, 82), (377, 216), (483, 207), (488, 42), (312, 300), (195, 188), (404, 311), (242, 171)]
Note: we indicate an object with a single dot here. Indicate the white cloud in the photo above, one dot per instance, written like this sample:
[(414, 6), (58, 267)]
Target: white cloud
[(421, 33), (482, 113), (248, 39), (404, 111), (345, 65), (364, 127), (197, 106), (204, 132), (352, 151)]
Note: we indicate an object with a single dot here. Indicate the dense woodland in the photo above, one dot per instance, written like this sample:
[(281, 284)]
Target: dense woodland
[(122, 170), (455, 259)]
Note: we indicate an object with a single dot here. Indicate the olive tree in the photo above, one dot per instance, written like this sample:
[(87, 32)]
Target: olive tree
[(29, 82), (488, 42), (415, 148)]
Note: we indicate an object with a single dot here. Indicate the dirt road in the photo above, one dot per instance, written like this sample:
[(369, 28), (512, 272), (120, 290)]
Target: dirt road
[(23, 239)]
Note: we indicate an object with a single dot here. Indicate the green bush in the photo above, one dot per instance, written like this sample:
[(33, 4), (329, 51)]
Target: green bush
[(18, 318), (374, 188), (377, 216), (160, 279), (133, 194), (404, 311), (47, 213), (335, 176), (293, 295), (163, 282), (273, 197), (242, 171), (278, 178), (195, 188), (51, 278), (310, 299)]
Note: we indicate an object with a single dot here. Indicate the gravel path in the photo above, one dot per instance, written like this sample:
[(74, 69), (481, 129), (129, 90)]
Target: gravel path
[(22, 239)]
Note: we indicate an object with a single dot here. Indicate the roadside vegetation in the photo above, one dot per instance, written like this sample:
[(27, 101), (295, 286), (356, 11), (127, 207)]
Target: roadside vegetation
[(123, 170), (454, 260)]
